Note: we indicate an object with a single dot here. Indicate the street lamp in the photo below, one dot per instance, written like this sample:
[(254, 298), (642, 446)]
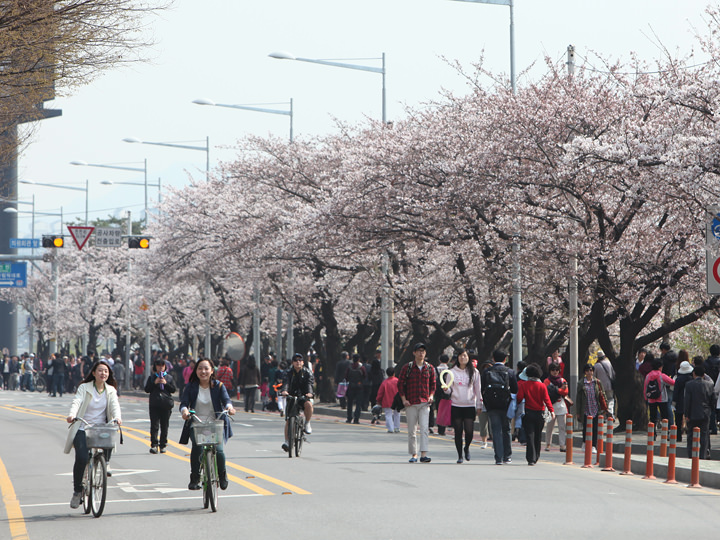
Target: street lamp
[(508, 3), (282, 55), (142, 169), (255, 108), (85, 189), (183, 146)]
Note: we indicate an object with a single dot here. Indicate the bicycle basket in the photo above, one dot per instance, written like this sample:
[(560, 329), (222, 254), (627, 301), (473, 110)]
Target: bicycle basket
[(207, 433), (101, 435)]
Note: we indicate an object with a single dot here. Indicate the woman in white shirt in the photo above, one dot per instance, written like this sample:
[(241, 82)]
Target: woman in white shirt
[(466, 402), (96, 401)]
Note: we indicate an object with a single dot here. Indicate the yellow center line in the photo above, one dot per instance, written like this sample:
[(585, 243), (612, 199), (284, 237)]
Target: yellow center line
[(18, 531)]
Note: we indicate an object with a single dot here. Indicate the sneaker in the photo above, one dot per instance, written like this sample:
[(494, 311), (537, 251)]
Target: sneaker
[(108, 471), (348, 421), (498, 463), (76, 499), (460, 460), (484, 445), (356, 421), (308, 429), (194, 486), (286, 446), (153, 450), (508, 460), (390, 431), (412, 460), (594, 450), (162, 450), (397, 430), (425, 459)]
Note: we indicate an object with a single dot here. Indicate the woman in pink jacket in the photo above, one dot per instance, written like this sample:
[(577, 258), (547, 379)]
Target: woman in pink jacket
[(656, 395), (385, 395)]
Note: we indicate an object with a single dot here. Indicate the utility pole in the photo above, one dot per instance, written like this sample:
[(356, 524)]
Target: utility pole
[(573, 281)]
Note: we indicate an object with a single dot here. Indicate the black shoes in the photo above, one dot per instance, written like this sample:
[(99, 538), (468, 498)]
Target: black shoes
[(194, 484), (153, 450), (467, 454), (223, 481)]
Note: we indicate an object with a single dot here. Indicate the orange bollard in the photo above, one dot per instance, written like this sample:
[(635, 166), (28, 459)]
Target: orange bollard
[(671, 456), (609, 446), (569, 439), (588, 442), (663, 437), (695, 469), (628, 448), (600, 439), (650, 452)]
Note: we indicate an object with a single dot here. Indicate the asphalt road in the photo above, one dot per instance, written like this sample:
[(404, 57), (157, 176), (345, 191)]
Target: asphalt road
[(352, 482)]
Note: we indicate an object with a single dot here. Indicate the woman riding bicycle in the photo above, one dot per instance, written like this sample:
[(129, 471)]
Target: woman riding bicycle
[(96, 401), (209, 399)]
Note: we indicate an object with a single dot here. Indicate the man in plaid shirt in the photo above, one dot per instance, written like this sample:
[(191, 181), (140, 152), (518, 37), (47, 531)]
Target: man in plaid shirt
[(225, 375), (416, 385)]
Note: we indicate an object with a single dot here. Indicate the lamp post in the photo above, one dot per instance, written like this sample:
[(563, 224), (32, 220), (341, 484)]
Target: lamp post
[(281, 55), (142, 169), (510, 4), (180, 145), (255, 108), (85, 189)]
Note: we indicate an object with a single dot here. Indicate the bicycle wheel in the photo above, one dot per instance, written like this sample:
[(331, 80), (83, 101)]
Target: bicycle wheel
[(211, 485), (204, 478), (299, 435), (40, 384), (87, 482), (292, 421), (98, 487)]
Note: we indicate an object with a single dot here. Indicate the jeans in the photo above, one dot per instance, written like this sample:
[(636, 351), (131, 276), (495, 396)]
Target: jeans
[(533, 423), (500, 428), (418, 418)]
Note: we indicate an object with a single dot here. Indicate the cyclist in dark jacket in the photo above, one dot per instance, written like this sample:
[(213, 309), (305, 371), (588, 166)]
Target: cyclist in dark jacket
[(299, 383)]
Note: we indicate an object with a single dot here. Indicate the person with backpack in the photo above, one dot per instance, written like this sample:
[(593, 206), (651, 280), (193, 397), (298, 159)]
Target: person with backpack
[(355, 376), (498, 383), (655, 389)]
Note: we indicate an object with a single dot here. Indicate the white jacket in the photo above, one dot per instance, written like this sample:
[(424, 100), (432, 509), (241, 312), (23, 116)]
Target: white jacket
[(465, 394), (80, 404)]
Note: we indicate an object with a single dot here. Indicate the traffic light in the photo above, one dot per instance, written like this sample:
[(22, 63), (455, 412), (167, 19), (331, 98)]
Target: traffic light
[(53, 241), (139, 242)]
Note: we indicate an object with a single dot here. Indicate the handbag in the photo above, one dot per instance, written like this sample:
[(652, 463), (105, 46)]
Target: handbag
[(164, 400), (443, 415), (342, 389), (397, 404)]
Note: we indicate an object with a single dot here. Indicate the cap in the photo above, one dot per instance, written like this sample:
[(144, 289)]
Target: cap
[(419, 346)]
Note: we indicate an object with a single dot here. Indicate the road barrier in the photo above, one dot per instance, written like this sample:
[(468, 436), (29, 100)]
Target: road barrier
[(671, 456), (569, 439), (600, 439), (695, 470), (628, 448), (588, 442), (663, 437), (650, 452), (608, 446)]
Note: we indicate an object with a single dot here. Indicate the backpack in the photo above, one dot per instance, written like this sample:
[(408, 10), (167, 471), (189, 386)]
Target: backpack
[(496, 391), (653, 389), (553, 392), (355, 376)]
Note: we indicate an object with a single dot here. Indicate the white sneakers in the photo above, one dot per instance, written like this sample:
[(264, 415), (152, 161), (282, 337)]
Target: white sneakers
[(308, 428)]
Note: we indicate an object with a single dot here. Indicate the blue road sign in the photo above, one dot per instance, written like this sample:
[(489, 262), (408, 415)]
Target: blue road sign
[(21, 243), (13, 274), (715, 227)]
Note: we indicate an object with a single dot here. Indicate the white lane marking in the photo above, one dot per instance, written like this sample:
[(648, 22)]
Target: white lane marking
[(120, 472), (154, 488), (151, 499)]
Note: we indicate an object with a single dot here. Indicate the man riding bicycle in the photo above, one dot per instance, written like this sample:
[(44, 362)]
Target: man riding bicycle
[(299, 383)]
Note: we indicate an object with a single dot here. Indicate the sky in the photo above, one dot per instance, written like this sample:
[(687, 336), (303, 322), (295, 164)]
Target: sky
[(218, 50)]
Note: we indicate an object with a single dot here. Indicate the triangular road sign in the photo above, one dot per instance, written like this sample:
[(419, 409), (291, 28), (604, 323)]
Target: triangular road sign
[(80, 235)]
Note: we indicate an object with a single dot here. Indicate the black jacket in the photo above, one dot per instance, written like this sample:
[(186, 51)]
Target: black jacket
[(298, 383), (699, 395), (154, 389)]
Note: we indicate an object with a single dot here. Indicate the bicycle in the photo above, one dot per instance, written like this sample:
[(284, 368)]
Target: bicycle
[(209, 435), (295, 426), (39, 382), (100, 437)]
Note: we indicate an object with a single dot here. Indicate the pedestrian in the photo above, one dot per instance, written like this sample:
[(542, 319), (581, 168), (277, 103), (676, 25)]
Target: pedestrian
[(558, 391), (96, 402), (160, 385), (442, 401), (536, 397), (225, 375), (416, 386), (498, 382), (684, 375), (340, 373), (208, 398), (699, 398), (250, 382), (606, 375), (355, 376), (376, 378), (656, 391), (385, 395), (465, 402), (591, 402)]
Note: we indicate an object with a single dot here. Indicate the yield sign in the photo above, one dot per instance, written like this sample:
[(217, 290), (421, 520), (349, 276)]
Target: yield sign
[(80, 235)]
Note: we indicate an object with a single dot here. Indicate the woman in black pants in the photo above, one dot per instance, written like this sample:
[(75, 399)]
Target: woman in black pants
[(537, 399), (160, 386), (466, 402)]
